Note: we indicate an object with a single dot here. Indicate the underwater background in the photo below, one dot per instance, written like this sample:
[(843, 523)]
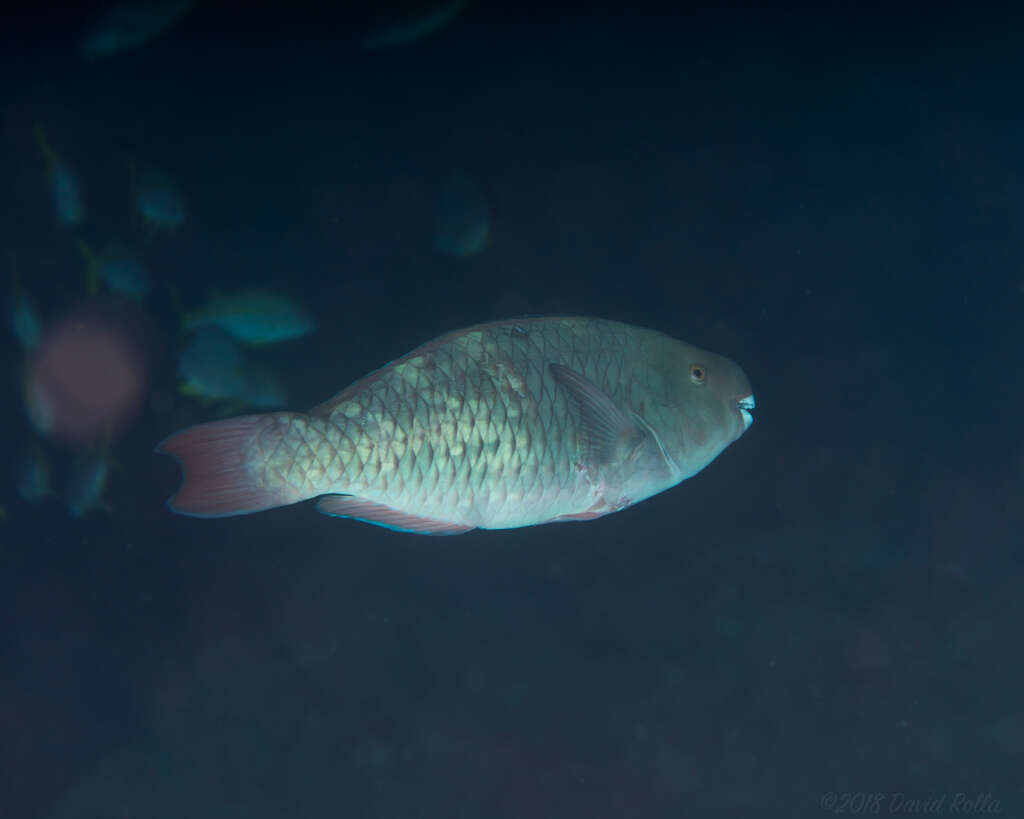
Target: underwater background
[(826, 620)]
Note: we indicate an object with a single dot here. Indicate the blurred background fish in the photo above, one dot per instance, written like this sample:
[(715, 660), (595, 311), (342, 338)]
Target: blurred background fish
[(214, 367), (158, 199), (65, 190), (129, 25), (34, 474), (415, 24), (254, 316), (87, 482), (118, 268), (24, 320), (23, 317), (462, 225)]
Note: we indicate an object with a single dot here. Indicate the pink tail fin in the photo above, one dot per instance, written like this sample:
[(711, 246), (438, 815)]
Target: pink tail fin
[(219, 476)]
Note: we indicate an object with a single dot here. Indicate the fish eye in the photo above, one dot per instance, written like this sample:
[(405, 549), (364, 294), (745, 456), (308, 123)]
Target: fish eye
[(698, 373)]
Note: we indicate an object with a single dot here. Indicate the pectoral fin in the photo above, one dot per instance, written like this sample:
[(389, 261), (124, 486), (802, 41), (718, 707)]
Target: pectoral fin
[(607, 434)]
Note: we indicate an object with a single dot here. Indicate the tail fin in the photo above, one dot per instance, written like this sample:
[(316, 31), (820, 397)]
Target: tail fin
[(222, 463)]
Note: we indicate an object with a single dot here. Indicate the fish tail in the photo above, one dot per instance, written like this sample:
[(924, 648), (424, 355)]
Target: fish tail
[(231, 467)]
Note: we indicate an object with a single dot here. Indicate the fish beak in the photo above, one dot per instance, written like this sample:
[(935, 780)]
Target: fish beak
[(745, 404)]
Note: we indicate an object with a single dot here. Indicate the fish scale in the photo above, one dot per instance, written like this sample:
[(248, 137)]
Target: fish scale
[(499, 425)]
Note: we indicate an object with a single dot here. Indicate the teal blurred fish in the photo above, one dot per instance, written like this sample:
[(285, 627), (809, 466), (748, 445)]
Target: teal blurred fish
[(215, 367), (87, 482), (254, 316), (426, 22), (65, 189), (463, 219), (500, 425), (117, 267), (22, 315), (129, 25), (24, 321), (34, 475), (158, 199), (212, 365)]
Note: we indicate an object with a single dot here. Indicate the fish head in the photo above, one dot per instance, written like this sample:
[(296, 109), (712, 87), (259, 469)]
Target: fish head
[(710, 399)]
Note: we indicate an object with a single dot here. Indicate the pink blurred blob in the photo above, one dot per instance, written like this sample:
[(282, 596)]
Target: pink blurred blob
[(87, 379)]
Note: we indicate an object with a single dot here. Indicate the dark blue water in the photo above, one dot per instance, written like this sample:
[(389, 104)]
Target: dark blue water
[(826, 620)]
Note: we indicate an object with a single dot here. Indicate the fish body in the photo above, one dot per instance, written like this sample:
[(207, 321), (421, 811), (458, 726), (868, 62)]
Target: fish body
[(500, 425), (254, 316), (25, 322), (158, 199), (118, 268), (130, 25), (427, 22), (67, 199), (124, 273), (22, 316), (64, 186), (462, 220), (87, 483), (213, 365), (34, 476)]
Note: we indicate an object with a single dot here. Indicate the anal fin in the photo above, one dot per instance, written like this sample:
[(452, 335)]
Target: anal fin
[(349, 506)]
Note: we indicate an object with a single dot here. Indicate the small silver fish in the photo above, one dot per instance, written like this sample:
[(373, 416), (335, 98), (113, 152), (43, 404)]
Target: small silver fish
[(499, 425)]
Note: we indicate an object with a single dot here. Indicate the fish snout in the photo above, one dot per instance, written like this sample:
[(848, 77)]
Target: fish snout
[(744, 405)]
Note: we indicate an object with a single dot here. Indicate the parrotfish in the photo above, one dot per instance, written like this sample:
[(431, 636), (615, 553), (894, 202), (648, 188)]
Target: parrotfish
[(499, 425)]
